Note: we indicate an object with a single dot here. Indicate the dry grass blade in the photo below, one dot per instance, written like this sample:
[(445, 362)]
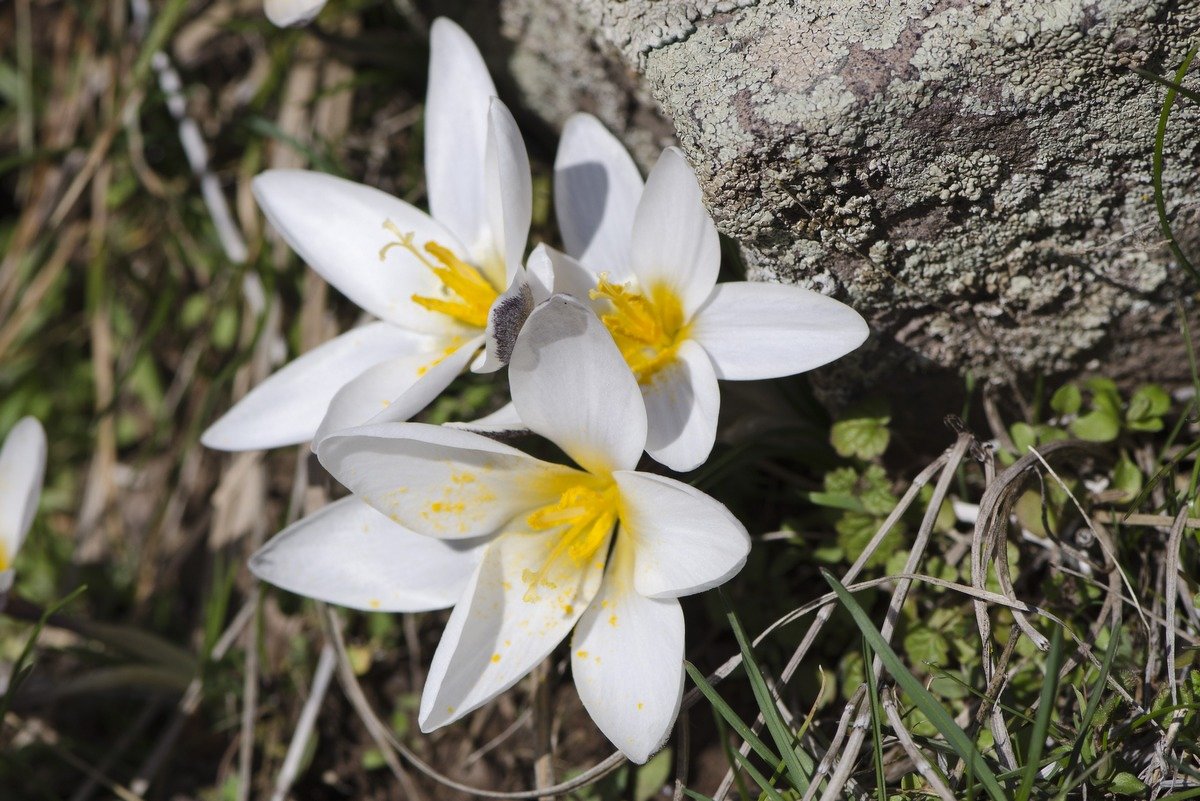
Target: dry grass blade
[(304, 726), (931, 776)]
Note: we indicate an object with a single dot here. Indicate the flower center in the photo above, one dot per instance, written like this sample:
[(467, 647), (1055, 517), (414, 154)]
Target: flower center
[(587, 514), (469, 295), (3, 556), (647, 327)]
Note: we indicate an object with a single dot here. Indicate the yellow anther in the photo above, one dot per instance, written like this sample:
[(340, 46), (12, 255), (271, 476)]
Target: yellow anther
[(648, 328), (469, 296), (588, 514)]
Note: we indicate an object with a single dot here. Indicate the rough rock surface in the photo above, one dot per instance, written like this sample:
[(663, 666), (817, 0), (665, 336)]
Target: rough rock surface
[(973, 175)]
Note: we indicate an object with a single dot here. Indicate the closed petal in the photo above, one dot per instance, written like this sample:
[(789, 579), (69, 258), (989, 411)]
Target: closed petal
[(456, 129), (674, 240), (337, 227), (627, 660), (508, 194), (758, 330), (286, 13), (395, 390), (440, 481), (571, 385), (682, 402), (686, 542), (22, 471), (504, 626), (350, 555), (596, 191), (287, 408)]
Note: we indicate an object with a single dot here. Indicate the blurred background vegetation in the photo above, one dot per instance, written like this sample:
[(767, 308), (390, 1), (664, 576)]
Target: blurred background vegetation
[(140, 294)]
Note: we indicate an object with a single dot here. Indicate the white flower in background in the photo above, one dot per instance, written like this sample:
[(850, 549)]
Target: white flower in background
[(286, 13), (22, 470), (605, 550), (650, 257), (433, 281)]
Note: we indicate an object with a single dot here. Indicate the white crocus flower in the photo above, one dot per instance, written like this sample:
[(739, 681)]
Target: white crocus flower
[(650, 257), (22, 470), (433, 281), (286, 13), (604, 549)]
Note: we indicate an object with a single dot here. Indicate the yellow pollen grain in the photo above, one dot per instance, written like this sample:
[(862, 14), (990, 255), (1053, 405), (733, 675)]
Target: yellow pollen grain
[(467, 294), (581, 654), (568, 609), (462, 478), (495, 658), (612, 620), (375, 603), (648, 327), (640, 706)]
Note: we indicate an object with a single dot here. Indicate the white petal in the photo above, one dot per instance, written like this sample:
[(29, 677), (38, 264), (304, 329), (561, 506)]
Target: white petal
[(504, 420), (287, 408), (758, 330), (22, 471), (674, 240), (686, 541), (285, 13), (539, 271), (337, 227), (571, 385), (508, 192), (596, 190), (500, 630), (395, 390), (350, 555), (627, 660), (456, 124), (505, 319), (438, 481), (682, 402)]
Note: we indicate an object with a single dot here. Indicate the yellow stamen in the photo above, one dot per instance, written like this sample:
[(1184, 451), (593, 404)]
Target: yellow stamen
[(469, 294), (647, 327), (588, 513)]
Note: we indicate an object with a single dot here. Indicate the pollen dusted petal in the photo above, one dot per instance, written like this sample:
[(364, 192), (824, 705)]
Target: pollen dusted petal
[(686, 541), (495, 635), (395, 390), (439, 481), (629, 675), (349, 554), (287, 408)]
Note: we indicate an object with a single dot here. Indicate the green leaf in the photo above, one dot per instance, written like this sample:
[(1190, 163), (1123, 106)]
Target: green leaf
[(652, 776), (923, 646), (1100, 425), (863, 437), (1023, 436), (1067, 400), (1041, 724), (1127, 477), (1105, 395), (855, 530), (1126, 784), (1149, 401), (929, 706)]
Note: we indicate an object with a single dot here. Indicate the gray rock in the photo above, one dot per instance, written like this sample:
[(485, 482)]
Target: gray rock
[(973, 176)]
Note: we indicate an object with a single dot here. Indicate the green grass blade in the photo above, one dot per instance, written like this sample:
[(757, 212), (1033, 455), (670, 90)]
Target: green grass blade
[(763, 783), (781, 733), (1094, 702), (23, 667), (1041, 724), (1160, 137), (933, 711), (726, 712), (876, 722)]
